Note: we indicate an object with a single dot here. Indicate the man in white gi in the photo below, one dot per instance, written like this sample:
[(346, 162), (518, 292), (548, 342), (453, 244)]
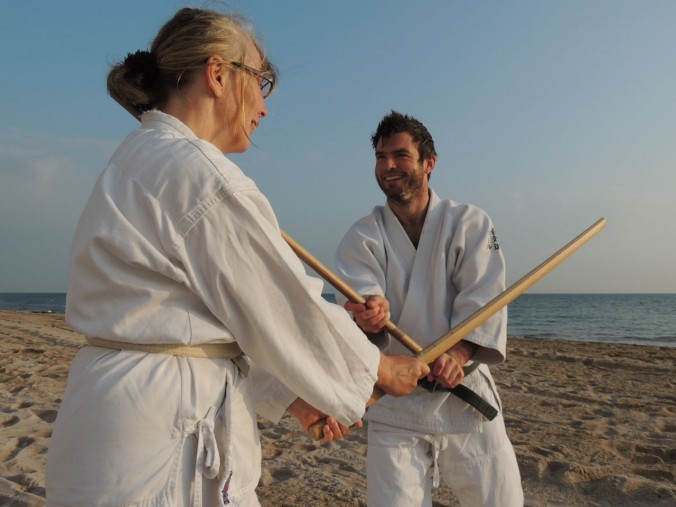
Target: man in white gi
[(427, 264)]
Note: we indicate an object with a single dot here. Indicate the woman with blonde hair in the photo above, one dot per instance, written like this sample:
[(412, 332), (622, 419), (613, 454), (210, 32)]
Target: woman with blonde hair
[(181, 283)]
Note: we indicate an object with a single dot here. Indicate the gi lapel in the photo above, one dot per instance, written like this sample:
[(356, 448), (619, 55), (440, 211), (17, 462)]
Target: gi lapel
[(421, 307)]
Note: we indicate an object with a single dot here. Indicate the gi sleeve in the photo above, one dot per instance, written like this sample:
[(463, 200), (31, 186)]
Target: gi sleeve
[(479, 276), (251, 280), (271, 397), (361, 259)]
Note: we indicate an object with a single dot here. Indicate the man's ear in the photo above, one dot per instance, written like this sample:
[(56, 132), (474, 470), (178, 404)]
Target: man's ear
[(429, 164)]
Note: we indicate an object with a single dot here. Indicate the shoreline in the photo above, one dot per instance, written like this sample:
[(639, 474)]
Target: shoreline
[(648, 342), (592, 423)]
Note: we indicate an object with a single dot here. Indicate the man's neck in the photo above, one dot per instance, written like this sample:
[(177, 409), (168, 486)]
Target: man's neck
[(411, 215)]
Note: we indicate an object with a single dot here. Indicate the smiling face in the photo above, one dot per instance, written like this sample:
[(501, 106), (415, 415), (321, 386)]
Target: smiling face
[(400, 173)]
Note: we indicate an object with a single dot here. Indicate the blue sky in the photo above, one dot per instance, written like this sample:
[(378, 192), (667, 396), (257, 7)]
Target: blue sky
[(549, 115)]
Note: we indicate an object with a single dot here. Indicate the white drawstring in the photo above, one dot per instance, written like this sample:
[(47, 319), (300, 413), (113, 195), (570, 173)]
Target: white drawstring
[(208, 460), (439, 443)]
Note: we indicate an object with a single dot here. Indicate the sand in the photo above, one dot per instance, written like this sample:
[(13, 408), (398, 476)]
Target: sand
[(592, 424)]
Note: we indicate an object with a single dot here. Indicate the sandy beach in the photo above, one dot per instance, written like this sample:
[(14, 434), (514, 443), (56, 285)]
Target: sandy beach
[(592, 424)]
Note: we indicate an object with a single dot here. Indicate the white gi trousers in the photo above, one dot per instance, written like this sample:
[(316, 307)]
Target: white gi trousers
[(153, 430), (479, 467)]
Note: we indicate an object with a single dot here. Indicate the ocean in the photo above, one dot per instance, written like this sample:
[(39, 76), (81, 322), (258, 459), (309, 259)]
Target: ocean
[(41, 302), (644, 319), (648, 319)]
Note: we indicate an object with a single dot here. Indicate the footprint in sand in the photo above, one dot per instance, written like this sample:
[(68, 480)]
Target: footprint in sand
[(283, 474), (48, 416), (27, 484), (11, 447), (11, 421), (338, 463)]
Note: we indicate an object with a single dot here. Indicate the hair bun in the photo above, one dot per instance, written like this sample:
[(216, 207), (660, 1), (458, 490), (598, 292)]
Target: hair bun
[(141, 69), (140, 62)]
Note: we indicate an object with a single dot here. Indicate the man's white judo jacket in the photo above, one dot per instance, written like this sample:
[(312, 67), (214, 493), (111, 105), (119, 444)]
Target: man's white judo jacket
[(456, 269)]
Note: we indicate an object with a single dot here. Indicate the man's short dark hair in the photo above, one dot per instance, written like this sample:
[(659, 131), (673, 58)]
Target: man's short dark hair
[(395, 123)]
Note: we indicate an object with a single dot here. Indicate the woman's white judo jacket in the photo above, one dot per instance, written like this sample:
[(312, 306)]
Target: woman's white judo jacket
[(177, 245)]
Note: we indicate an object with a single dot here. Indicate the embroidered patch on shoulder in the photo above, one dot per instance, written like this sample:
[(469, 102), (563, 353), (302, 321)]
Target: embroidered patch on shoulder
[(493, 240)]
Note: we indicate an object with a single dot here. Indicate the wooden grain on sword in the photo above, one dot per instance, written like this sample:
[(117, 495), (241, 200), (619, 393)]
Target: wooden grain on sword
[(430, 353), (355, 297), (346, 290)]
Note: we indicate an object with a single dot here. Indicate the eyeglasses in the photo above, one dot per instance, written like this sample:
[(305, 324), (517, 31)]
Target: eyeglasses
[(266, 82)]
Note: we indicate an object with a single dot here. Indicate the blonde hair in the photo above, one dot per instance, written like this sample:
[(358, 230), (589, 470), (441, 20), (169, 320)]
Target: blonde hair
[(144, 80)]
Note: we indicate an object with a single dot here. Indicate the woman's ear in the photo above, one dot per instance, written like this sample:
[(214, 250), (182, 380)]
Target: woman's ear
[(215, 75)]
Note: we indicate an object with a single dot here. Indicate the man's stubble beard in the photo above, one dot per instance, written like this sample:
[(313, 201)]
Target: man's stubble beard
[(408, 191)]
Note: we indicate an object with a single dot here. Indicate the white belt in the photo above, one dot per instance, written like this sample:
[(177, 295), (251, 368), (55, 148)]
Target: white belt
[(206, 350)]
